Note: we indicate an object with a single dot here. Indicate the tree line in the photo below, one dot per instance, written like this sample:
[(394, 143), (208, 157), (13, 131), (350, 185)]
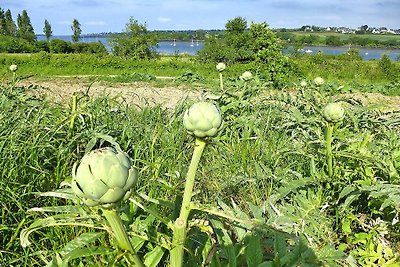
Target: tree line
[(24, 29)]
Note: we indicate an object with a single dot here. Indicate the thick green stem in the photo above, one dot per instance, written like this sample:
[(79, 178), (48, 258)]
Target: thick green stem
[(14, 79), (329, 154), (178, 240), (122, 237), (221, 82)]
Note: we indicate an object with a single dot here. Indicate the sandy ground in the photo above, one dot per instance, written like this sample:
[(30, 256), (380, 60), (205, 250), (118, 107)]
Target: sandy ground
[(135, 93), (60, 89)]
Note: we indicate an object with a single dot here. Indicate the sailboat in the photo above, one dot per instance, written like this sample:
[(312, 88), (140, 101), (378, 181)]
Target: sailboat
[(197, 42), (192, 44), (174, 43)]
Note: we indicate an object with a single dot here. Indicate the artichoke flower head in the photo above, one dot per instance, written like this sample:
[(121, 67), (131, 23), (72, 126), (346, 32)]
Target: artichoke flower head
[(203, 120), (333, 112), (319, 81), (104, 177), (221, 66), (13, 68), (247, 75)]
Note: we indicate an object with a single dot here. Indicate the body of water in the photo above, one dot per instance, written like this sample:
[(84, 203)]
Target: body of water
[(191, 48)]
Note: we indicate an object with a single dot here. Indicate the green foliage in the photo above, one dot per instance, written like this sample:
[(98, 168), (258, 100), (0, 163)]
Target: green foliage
[(269, 62), (268, 198), (60, 46), (47, 29), (9, 44), (136, 42), (76, 30), (11, 28), (333, 41), (257, 45), (25, 29)]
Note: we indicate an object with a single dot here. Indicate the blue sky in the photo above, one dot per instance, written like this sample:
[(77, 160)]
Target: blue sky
[(111, 16)]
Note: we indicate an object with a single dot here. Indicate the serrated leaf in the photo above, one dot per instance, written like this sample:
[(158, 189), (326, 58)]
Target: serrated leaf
[(225, 241), (87, 252), (60, 193), (152, 258), (81, 241), (347, 190), (256, 211), (57, 209), (55, 220), (253, 249)]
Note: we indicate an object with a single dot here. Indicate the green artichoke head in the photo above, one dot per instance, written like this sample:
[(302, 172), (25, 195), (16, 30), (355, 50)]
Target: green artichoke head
[(333, 112), (104, 177), (203, 120)]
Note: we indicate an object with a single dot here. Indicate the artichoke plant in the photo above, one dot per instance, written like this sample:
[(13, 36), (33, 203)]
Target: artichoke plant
[(333, 112), (202, 120), (104, 176)]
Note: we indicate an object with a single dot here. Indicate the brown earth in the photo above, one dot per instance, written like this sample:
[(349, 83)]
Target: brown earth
[(60, 89)]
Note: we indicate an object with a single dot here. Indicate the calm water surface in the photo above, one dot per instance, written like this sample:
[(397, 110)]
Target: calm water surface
[(191, 48)]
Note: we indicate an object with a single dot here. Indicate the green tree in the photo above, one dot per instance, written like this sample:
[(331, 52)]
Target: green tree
[(2, 22), (47, 29), (237, 39), (135, 42), (25, 29), (11, 28), (269, 62), (234, 47), (76, 30)]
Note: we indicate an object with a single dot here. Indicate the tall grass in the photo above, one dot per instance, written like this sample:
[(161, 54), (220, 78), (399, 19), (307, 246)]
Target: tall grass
[(269, 160)]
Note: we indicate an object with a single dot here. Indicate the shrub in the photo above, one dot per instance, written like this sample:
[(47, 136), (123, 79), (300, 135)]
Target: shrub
[(60, 46)]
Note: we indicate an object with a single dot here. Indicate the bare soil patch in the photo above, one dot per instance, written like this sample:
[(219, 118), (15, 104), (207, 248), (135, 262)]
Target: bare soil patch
[(136, 93), (142, 94)]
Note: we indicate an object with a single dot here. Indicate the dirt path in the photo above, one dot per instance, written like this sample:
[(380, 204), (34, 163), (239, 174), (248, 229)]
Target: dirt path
[(60, 89)]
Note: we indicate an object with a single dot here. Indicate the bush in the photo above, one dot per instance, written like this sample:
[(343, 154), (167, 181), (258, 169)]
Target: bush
[(89, 48), (257, 46), (9, 44), (136, 42), (60, 46)]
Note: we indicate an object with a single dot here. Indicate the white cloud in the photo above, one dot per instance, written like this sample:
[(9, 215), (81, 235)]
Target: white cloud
[(163, 19), (95, 23)]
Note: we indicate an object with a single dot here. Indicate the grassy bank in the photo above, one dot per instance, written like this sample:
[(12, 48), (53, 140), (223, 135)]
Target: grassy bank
[(346, 70)]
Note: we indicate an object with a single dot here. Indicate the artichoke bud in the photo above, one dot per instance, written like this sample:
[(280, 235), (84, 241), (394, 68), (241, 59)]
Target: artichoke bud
[(319, 81), (247, 75), (203, 120), (221, 66), (333, 112), (104, 177), (13, 68)]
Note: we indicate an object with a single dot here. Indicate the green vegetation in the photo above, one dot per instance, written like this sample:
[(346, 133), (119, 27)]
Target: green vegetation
[(136, 42), (25, 29), (290, 180), (76, 30), (340, 39), (47, 29), (288, 167)]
